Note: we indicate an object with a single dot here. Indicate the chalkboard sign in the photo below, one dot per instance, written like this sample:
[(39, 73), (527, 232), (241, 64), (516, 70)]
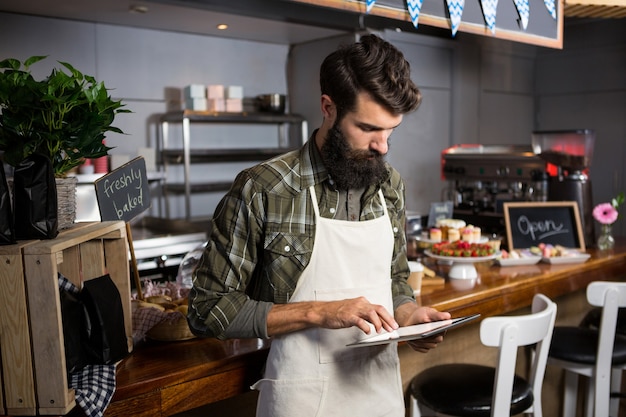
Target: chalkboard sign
[(124, 193), (558, 223)]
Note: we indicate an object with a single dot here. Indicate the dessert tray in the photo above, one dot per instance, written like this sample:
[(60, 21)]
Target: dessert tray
[(462, 266), (568, 259)]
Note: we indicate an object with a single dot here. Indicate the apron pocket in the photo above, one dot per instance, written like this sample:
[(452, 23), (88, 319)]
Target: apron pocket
[(291, 397)]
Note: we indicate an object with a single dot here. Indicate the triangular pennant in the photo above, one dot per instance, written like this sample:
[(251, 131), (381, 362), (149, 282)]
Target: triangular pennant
[(370, 4), (551, 7), (455, 8), (489, 11), (414, 7), (524, 11)]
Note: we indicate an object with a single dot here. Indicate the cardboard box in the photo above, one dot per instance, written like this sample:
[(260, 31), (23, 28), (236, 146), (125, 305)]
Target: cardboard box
[(234, 91), (216, 104), (215, 91), (195, 91), (196, 104), (234, 105)]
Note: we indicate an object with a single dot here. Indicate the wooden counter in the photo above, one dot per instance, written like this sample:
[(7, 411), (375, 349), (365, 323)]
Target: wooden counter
[(500, 290), (161, 379)]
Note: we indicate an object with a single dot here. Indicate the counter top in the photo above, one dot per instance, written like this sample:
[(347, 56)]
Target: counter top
[(500, 290), (161, 379)]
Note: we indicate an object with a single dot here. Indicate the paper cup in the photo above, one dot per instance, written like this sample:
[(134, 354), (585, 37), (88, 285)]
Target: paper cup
[(415, 278)]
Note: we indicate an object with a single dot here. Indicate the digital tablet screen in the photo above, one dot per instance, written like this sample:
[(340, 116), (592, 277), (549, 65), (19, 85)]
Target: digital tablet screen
[(417, 331)]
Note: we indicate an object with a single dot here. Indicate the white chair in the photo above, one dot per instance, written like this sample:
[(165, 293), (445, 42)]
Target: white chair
[(599, 354), (477, 390)]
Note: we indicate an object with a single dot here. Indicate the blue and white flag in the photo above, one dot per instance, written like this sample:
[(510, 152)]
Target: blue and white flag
[(489, 11), (414, 7), (455, 8), (551, 7), (370, 4), (524, 11)]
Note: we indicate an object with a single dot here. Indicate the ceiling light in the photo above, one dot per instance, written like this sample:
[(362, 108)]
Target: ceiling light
[(138, 9), (222, 26)]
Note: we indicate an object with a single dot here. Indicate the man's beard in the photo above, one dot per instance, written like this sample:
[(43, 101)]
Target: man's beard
[(351, 168)]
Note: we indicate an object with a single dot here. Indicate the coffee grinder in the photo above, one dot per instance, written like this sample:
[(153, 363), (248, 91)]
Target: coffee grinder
[(568, 154)]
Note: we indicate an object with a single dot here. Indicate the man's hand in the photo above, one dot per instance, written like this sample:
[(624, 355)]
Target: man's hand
[(409, 313), (285, 318)]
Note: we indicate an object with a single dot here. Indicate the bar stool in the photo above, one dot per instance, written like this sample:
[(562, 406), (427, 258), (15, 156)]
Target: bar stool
[(476, 390), (599, 354)]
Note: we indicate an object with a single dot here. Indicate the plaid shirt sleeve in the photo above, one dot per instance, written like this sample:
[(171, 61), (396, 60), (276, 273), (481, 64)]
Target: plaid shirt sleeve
[(262, 239)]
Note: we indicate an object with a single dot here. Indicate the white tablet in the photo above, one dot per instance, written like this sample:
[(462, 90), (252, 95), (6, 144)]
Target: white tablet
[(417, 331)]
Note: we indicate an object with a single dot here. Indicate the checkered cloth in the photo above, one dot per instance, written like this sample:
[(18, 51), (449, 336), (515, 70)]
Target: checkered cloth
[(94, 385)]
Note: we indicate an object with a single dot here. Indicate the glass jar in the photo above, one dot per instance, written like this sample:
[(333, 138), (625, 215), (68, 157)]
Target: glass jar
[(606, 240)]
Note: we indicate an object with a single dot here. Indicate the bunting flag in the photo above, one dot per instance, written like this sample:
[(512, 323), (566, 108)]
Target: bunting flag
[(414, 7), (489, 11), (524, 11), (551, 7), (455, 8), (370, 4)]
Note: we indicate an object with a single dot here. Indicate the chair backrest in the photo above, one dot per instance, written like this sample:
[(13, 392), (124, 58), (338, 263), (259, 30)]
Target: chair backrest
[(610, 296), (510, 332)]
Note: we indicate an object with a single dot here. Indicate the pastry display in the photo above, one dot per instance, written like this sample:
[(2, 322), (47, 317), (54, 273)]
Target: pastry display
[(462, 249), (446, 224)]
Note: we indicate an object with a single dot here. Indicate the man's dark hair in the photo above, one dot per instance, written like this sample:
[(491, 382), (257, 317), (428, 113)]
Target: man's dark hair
[(371, 65)]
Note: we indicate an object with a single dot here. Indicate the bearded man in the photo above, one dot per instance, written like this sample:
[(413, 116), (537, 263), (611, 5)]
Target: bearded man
[(308, 249)]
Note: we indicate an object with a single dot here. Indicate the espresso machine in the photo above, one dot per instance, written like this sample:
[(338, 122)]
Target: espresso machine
[(481, 178), (568, 154)]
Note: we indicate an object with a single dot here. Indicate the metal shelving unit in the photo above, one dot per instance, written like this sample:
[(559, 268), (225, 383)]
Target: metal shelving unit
[(292, 132)]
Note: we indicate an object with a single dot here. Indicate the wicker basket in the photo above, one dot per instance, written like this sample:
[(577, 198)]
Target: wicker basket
[(66, 201), (174, 328)]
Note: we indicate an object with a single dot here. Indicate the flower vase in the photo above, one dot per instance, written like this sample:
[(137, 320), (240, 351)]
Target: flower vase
[(606, 240)]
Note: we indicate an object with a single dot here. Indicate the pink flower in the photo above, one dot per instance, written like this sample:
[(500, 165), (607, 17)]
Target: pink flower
[(605, 213)]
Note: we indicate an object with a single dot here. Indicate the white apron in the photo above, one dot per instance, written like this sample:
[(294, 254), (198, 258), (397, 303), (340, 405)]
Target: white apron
[(312, 372)]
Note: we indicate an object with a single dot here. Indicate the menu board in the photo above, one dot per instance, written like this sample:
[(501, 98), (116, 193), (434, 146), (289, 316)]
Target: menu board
[(556, 223)]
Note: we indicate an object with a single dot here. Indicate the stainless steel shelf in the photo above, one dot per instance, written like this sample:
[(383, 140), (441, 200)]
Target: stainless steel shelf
[(176, 156), (292, 132)]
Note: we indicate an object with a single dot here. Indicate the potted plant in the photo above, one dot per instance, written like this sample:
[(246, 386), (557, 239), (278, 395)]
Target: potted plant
[(64, 117)]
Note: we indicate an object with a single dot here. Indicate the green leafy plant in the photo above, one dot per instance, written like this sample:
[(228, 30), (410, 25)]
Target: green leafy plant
[(64, 116)]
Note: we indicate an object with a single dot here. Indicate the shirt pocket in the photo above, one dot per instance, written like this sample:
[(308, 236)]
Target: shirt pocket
[(286, 255)]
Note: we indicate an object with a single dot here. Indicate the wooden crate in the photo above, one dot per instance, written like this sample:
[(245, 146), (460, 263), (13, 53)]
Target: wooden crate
[(83, 252)]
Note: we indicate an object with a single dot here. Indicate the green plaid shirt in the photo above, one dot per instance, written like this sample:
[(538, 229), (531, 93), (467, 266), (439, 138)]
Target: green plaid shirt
[(262, 238)]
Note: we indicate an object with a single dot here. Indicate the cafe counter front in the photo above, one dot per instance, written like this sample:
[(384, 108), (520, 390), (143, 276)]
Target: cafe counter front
[(162, 379)]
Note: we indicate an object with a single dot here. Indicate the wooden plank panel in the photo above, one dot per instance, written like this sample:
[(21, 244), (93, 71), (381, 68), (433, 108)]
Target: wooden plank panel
[(92, 259), (17, 367), (116, 253), (68, 263), (76, 236), (53, 394)]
